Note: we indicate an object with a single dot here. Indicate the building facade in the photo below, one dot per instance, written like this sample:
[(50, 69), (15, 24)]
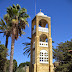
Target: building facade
[(41, 44)]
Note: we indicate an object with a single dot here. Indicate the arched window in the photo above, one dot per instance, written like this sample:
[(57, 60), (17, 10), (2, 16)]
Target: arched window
[(43, 23), (43, 56)]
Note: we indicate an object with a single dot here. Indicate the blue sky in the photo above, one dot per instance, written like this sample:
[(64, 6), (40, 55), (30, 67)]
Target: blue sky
[(60, 12)]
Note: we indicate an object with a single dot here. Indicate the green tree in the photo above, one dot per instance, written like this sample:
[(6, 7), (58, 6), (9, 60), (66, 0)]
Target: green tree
[(23, 64), (14, 65), (20, 70), (63, 56), (16, 19), (7, 65), (3, 55)]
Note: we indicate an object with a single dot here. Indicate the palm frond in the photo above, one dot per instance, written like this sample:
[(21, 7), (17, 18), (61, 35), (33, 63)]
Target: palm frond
[(27, 47), (29, 38), (29, 53), (3, 23), (14, 6), (26, 51), (18, 6), (26, 44)]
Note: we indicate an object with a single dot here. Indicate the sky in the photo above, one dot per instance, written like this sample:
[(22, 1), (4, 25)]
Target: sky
[(60, 12)]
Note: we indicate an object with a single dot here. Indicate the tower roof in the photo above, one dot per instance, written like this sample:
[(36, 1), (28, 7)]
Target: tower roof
[(41, 14)]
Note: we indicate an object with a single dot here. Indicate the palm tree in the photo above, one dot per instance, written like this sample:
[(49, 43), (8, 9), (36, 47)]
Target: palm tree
[(16, 23), (27, 47), (4, 29)]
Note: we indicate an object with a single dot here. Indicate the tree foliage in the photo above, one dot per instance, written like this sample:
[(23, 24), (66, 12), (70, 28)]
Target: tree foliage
[(16, 20), (3, 55), (14, 65), (23, 64), (5, 29), (13, 25), (21, 67), (27, 48), (20, 70), (63, 56)]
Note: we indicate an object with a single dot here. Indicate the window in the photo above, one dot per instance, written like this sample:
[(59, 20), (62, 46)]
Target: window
[(43, 56)]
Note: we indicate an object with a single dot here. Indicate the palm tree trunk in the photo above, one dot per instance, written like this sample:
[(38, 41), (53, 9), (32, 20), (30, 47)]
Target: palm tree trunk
[(14, 30), (11, 54), (6, 43)]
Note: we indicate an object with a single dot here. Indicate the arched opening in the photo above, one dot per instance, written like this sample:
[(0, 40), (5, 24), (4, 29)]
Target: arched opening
[(43, 41), (43, 23), (43, 56), (43, 38)]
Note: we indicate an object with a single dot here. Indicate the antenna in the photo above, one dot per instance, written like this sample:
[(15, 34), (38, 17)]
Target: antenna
[(35, 7)]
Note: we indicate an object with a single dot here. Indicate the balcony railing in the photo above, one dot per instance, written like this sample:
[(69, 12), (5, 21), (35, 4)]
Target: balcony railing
[(41, 44), (42, 29)]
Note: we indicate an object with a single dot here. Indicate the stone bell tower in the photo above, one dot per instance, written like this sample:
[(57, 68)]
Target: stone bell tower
[(41, 44)]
